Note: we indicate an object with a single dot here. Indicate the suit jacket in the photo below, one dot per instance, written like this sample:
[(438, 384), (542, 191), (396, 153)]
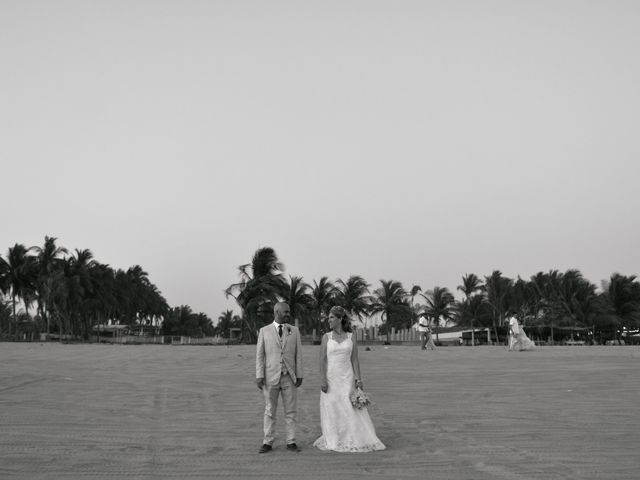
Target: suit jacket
[(272, 352)]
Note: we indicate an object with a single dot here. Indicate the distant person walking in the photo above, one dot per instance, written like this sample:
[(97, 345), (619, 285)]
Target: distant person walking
[(423, 329), (430, 344)]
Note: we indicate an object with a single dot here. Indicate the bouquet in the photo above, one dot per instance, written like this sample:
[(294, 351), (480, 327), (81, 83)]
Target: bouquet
[(359, 399)]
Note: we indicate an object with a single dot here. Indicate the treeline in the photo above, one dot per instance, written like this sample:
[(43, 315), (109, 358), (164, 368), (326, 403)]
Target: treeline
[(71, 292), (549, 299)]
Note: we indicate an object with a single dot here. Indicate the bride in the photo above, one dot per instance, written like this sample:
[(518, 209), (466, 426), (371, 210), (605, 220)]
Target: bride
[(518, 338), (344, 428)]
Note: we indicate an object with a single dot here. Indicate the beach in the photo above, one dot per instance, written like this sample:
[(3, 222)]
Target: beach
[(76, 411)]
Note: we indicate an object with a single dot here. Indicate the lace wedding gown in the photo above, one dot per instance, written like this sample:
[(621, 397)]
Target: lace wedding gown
[(520, 340), (344, 428)]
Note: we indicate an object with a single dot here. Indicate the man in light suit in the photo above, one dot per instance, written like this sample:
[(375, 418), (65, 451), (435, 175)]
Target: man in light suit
[(279, 373), (423, 328)]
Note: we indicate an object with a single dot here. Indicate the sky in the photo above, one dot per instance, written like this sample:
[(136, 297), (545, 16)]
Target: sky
[(408, 140)]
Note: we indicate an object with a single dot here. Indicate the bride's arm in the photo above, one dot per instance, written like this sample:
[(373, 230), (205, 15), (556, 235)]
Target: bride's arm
[(324, 386), (355, 363)]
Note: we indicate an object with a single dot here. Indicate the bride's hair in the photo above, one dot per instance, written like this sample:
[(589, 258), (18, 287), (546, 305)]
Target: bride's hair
[(341, 313)]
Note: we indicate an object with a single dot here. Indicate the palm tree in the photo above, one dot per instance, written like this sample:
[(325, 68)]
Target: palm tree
[(497, 289), (180, 321), (48, 260), (226, 321), (156, 306), (5, 314), (138, 279), (440, 306), (587, 306), (323, 293), (565, 299), (261, 285), (205, 325), (519, 300), (183, 321), (102, 304), (299, 299), (353, 295), (5, 288), (80, 290), (623, 296), (390, 301), (474, 311), (470, 284), (547, 287), (415, 290), (4, 277), (138, 301), (576, 299), (19, 276)]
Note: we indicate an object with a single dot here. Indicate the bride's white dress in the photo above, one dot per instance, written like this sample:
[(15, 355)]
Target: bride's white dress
[(344, 428), (520, 339)]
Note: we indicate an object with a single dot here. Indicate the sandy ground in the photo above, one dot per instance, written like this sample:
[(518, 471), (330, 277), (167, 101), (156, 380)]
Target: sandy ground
[(108, 412)]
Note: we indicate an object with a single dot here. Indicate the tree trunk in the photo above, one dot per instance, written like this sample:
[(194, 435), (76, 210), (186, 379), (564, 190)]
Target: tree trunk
[(13, 299), (388, 330), (473, 342), (44, 317), (247, 333)]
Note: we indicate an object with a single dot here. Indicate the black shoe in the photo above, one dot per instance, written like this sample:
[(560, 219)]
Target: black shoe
[(292, 447), (265, 448)]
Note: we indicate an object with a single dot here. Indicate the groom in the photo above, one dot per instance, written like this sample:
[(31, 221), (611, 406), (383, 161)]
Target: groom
[(279, 373)]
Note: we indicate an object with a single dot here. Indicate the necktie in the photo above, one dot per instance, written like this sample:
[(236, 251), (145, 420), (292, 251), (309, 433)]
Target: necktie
[(280, 330)]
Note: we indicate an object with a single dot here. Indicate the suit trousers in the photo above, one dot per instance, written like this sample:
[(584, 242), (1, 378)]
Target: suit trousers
[(287, 389)]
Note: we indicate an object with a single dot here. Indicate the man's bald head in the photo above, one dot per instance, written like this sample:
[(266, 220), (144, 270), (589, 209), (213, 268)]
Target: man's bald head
[(282, 312)]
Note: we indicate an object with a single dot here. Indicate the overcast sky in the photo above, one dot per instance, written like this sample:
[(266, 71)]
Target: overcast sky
[(414, 141)]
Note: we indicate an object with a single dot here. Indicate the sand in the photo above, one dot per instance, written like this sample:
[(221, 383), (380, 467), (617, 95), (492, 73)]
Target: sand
[(165, 412)]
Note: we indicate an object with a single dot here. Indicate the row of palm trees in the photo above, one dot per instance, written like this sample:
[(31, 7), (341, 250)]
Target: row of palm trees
[(185, 322), (72, 292), (551, 299), (263, 283)]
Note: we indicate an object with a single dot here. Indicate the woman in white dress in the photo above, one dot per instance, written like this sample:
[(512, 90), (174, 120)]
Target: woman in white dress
[(518, 338), (344, 427)]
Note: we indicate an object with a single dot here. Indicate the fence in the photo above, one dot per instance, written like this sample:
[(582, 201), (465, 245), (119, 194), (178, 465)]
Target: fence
[(164, 340), (408, 335), (140, 339), (363, 335)]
